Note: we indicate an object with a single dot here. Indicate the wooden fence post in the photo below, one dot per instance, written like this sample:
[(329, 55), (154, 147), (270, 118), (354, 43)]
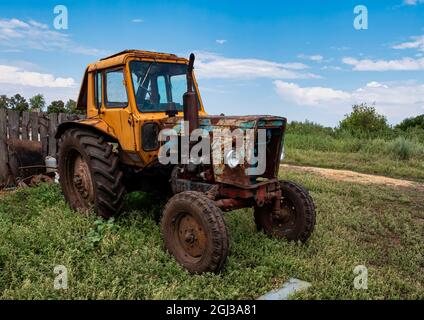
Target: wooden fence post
[(4, 171), (25, 125), (52, 131), (34, 126), (44, 135), (63, 117), (13, 124)]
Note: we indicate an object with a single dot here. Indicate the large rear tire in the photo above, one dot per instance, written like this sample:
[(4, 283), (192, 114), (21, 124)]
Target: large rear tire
[(195, 233), (298, 219), (90, 175)]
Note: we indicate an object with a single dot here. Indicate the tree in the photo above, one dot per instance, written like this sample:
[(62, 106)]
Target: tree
[(18, 103), (57, 106), (37, 102), (4, 102), (71, 106), (364, 120), (415, 122)]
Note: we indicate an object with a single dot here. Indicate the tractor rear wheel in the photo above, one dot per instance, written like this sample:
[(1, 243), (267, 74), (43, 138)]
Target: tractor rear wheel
[(195, 233), (90, 176), (297, 219)]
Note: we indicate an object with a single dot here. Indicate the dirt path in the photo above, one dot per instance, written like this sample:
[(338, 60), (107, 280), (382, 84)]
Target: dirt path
[(351, 176)]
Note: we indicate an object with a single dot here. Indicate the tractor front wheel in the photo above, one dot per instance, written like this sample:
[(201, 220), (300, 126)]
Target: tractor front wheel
[(296, 219), (195, 233), (90, 175)]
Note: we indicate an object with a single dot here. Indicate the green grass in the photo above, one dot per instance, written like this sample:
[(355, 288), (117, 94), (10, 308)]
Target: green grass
[(399, 157), (379, 227)]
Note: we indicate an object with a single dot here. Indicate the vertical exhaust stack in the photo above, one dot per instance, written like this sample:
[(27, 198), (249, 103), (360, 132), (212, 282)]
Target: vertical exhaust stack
[(191, 110)]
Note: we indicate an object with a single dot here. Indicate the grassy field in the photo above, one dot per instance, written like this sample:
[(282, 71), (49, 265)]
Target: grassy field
[(376, 226), (397, 156)]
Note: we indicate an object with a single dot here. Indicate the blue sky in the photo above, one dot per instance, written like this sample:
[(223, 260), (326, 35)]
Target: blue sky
[(301, 59)]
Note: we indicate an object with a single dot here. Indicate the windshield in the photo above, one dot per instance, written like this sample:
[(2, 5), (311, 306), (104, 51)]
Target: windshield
[(158, 86)]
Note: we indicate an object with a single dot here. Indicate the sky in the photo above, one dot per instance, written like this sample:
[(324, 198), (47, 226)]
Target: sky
[(300, 59)]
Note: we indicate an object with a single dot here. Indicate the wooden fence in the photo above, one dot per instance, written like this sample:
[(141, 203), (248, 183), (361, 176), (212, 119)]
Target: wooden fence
[(25, 140)]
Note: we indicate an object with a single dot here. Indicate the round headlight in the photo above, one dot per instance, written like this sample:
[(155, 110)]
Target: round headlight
[(233, 159)]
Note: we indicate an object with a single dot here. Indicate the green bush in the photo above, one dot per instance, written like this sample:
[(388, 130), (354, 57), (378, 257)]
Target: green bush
[(308, 127), (415, 122), (404, 149), (364, 122)]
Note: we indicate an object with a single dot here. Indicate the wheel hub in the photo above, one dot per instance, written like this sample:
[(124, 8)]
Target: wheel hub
[(82, 180), (286, 216), (191, 236)]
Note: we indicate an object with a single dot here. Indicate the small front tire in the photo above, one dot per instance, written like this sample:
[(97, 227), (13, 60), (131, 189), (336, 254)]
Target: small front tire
[(298, 220), (195, 233)]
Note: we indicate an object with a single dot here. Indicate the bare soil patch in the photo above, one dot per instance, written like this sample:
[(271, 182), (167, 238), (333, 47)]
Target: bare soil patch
[(356, 177)]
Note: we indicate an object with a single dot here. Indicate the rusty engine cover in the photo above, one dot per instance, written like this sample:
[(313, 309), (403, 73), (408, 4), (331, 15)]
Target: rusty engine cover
[(222, 173)]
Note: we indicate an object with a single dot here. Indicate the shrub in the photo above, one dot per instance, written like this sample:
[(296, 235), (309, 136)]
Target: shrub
[(404, 149), (364, 121), (308, 127), (415, 122)]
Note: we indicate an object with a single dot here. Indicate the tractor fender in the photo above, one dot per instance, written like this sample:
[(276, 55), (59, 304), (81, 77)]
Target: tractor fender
[(97, 125)]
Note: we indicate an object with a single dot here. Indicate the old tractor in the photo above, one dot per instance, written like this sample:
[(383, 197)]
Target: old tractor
[(130, 99)]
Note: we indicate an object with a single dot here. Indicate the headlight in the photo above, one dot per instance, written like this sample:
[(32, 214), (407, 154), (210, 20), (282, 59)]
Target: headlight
[(233, 159), (283, 154)]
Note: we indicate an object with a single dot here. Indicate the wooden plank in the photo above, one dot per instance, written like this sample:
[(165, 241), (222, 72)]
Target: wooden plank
[(4, 172), (44, 137), (53, 119), (63, 117), (34, 126), (25, 126), (13, 124)]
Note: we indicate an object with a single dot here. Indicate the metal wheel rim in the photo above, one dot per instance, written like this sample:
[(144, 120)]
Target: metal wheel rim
[(190, 236), (81, 184), (287, 221)]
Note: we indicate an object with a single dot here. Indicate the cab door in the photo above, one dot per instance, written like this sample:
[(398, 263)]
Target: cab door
[(115, 107)]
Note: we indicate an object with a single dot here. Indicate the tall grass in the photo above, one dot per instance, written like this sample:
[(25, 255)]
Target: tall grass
[(405, 149), (311, 136), (393, 153)]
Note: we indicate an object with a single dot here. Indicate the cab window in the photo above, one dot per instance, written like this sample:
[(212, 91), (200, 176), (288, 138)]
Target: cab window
[(98, 88), (116, 93), (159, 86)]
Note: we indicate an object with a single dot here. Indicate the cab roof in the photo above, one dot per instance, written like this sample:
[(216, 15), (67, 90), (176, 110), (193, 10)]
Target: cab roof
[(121, 57), (118, 59)]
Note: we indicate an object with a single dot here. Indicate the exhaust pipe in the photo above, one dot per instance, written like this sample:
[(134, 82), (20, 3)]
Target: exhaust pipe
[(191, 109)]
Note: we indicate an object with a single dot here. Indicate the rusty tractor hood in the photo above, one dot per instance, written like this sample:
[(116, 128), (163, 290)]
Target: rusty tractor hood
[(210, 122), (237, 176)]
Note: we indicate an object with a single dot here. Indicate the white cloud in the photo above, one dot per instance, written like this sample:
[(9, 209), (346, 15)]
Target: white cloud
[(416, 42), (404, 64), (16, 34), (211, 65), (311, 96), (315, 58), (375, 84), (412, 2), (395, 100), (332, 68), (137, 20), (221, 41), (16, 76), (294, 66)]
